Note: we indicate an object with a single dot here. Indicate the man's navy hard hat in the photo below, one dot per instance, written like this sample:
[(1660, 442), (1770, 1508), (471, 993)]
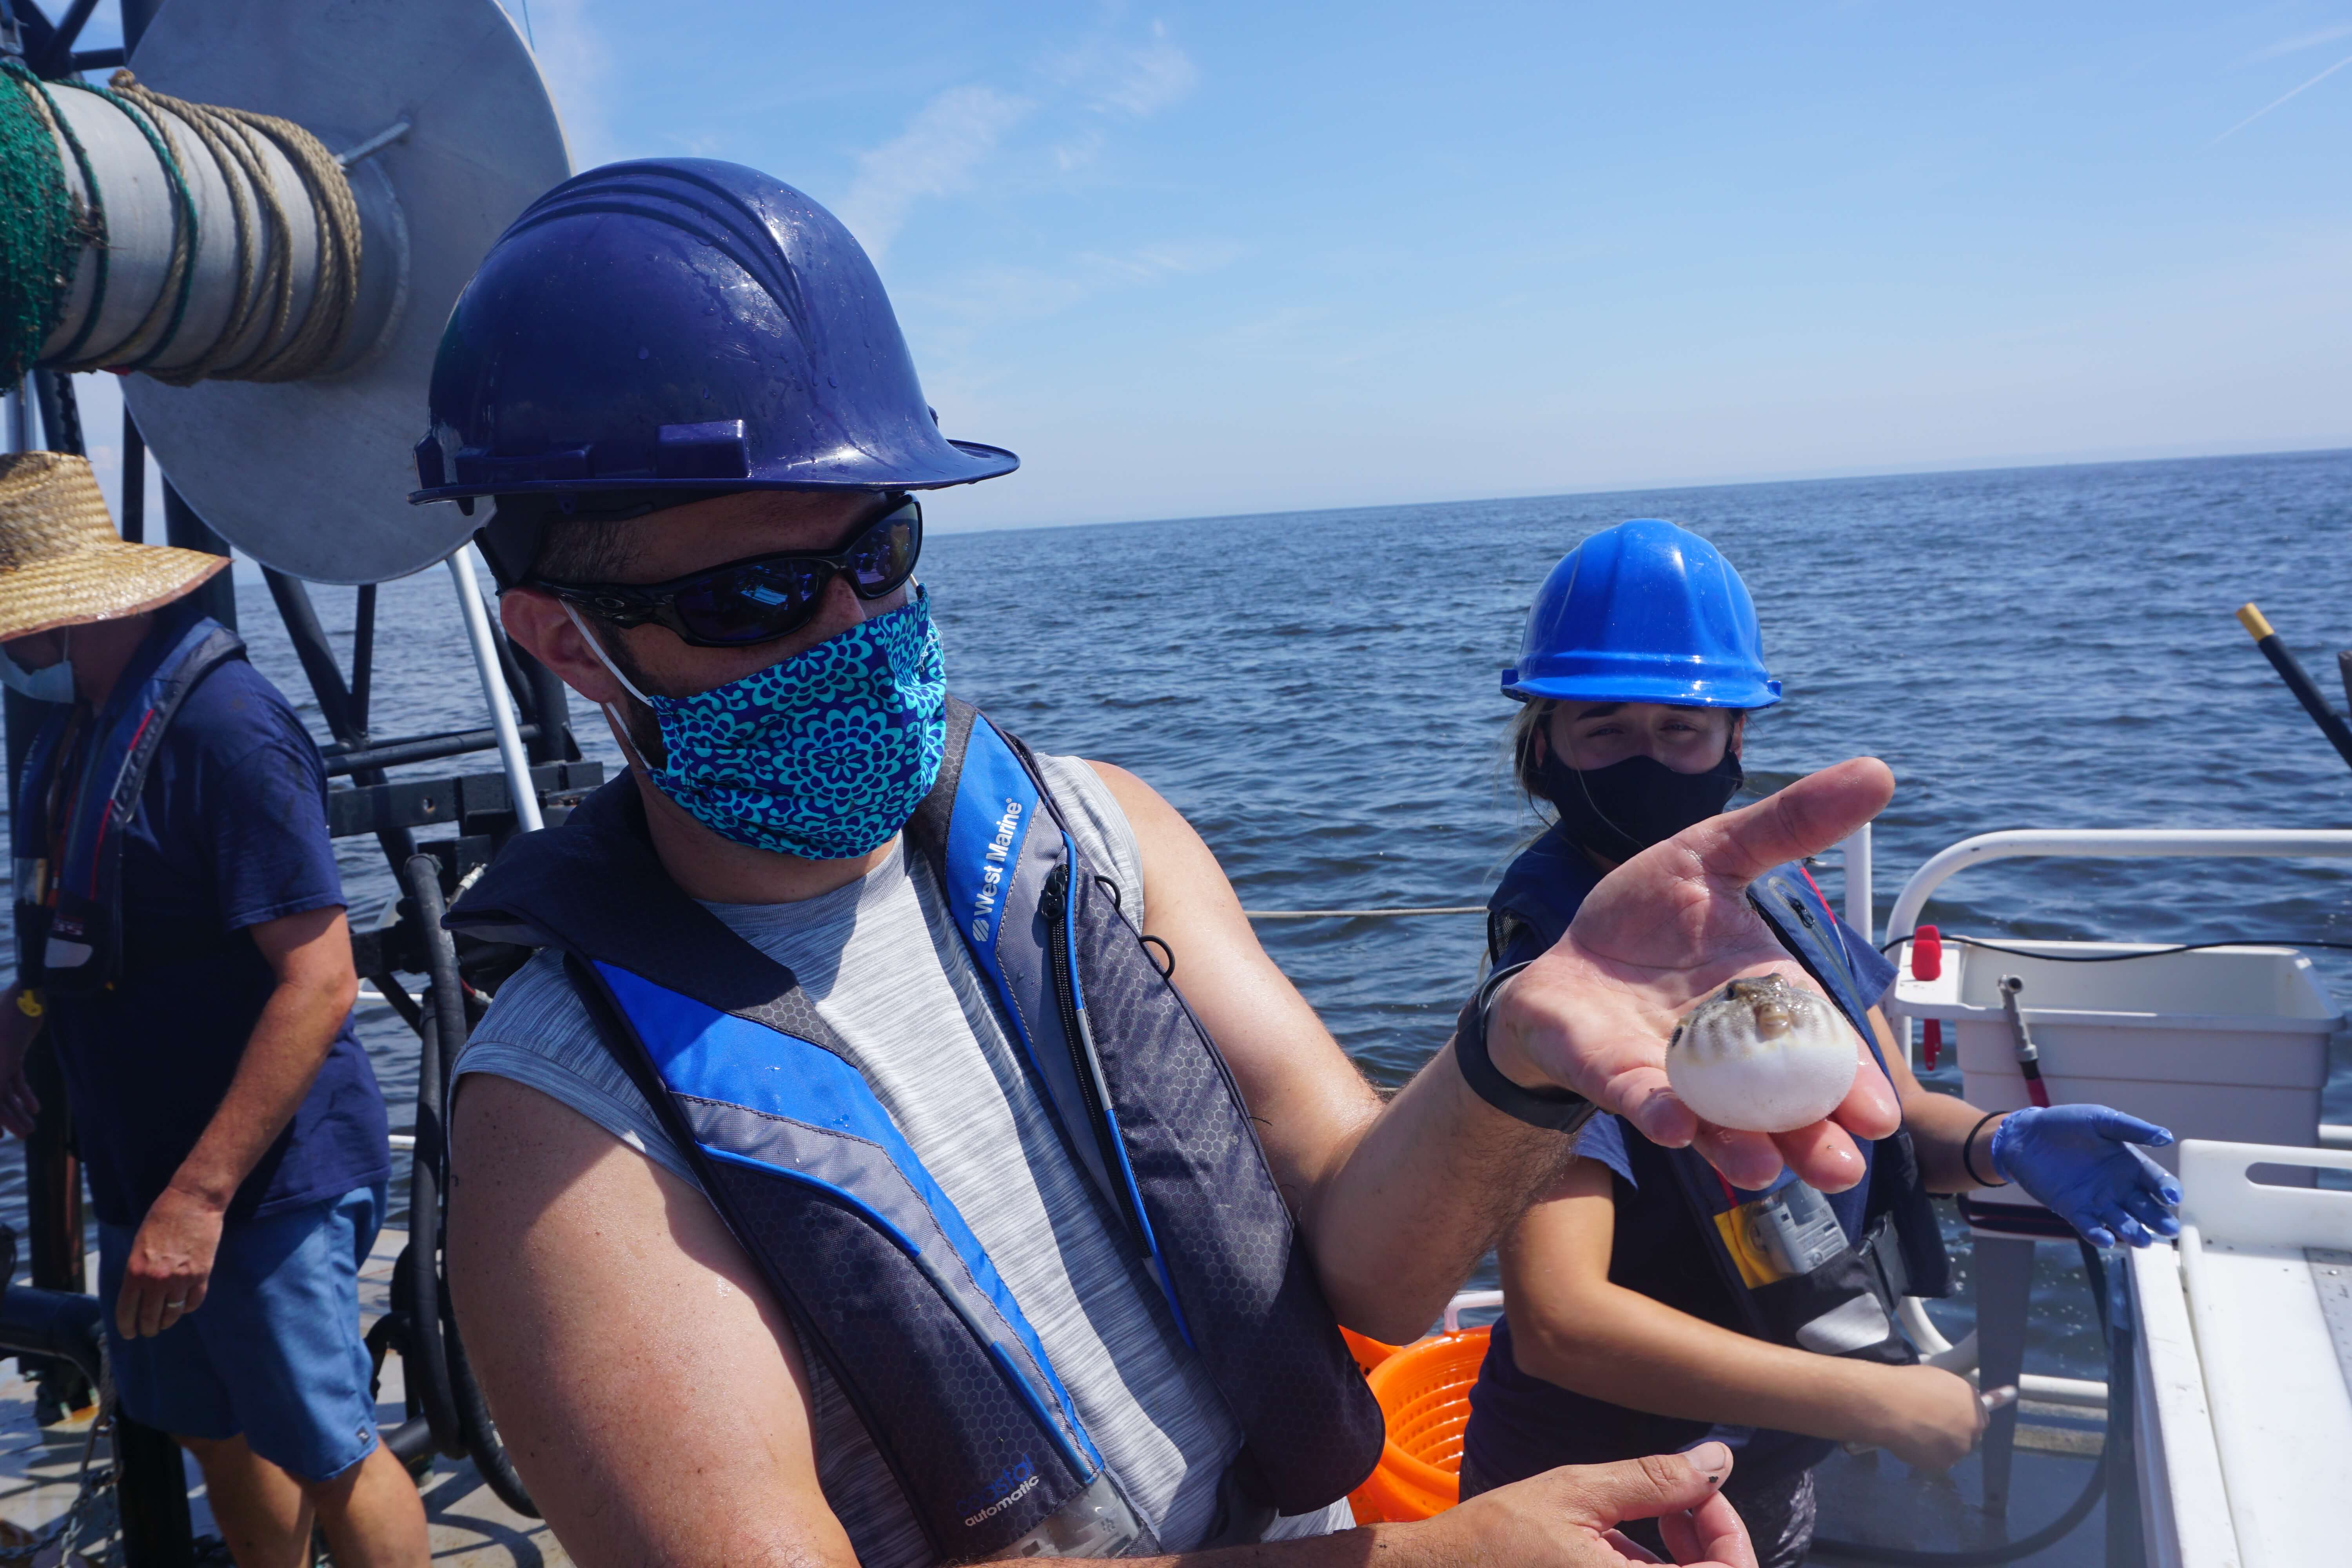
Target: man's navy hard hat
[(680, 324), (1643, 611)]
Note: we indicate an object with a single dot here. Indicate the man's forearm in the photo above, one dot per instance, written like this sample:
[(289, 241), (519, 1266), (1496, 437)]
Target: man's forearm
[(1429, 1185), (281, 1060)]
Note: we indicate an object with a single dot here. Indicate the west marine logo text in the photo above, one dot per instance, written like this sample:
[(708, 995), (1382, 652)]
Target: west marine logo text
[(1012, 1484), (998, 867)]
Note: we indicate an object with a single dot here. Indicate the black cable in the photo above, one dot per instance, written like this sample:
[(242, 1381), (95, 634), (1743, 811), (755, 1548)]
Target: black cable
[(2122, 957), (2057, 1529)]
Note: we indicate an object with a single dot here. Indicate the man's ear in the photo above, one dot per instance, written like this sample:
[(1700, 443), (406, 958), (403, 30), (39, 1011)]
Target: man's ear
[(1738, 729), (536, 620)]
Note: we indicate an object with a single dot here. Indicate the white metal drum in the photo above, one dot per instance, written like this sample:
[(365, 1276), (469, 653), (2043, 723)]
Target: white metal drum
[(312, 477)]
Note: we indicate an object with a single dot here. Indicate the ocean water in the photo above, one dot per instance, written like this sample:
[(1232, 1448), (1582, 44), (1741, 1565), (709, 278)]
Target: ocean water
[(1317, 693)]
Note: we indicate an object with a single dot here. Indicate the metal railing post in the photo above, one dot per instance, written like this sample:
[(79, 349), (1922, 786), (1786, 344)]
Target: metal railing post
[(494, 689), (1860, 910)]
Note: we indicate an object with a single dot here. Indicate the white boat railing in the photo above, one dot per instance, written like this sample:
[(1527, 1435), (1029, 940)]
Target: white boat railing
[(2100, 844), (2085, 843)]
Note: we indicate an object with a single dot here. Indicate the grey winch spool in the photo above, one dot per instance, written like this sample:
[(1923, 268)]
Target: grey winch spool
[(311, 477)]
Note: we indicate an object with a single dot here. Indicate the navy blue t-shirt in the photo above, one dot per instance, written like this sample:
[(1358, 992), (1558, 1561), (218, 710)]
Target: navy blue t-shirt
[(231, 831), (1522, 1425)]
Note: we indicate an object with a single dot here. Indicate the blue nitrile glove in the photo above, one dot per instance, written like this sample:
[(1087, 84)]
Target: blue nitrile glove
[(2079, 1161)]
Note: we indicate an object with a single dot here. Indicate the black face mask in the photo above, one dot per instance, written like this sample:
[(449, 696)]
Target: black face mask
[(1619, 811)]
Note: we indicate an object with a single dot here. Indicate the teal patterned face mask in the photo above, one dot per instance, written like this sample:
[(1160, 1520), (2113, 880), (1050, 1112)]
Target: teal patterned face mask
[(824, 755)]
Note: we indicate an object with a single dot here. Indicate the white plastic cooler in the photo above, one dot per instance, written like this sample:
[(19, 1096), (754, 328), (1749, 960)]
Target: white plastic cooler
[(2226, 1043)]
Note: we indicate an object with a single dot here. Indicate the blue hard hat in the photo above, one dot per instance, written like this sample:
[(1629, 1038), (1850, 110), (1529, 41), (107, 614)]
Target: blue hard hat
[(680, 324), (1643, 611)]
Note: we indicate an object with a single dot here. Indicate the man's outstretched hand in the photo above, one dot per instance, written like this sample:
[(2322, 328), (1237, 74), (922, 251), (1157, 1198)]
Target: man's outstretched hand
[(1568, 1518), (1658, 934)]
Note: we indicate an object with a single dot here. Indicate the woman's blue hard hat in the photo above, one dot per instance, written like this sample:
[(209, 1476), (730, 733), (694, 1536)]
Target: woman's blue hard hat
[(1643, 611), (680, 324)]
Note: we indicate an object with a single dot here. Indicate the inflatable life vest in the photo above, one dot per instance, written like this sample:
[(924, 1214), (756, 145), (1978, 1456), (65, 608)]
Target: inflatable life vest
[(1796, 1277), (880, 1275), (69, 868)]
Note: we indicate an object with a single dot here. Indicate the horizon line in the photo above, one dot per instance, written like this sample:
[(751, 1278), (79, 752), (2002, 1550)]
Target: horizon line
[(1825, 476)]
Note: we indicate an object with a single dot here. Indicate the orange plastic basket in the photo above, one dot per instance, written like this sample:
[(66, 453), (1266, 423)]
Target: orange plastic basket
[(1424, 1390), (1369, 1353)]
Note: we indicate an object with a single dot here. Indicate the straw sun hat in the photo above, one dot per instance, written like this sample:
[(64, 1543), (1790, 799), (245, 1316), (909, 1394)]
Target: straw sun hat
[(61, 563)]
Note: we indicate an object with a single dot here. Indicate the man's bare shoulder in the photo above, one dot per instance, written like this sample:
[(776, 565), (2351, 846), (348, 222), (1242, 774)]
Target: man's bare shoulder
[(1132, 793), (624, 1339)]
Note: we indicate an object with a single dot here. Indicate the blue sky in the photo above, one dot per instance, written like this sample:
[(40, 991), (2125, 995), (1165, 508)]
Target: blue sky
[(1197, 259)]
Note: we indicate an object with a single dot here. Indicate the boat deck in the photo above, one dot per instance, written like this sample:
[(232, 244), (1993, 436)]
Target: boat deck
[(1875, 1499), (470, 1528), (1870, 1498)]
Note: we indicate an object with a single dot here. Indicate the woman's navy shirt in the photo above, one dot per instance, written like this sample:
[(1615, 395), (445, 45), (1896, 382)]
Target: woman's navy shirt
[(1521, 1426), (231, 831)]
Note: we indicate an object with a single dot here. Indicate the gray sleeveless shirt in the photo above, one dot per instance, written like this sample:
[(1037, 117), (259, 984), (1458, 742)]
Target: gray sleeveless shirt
[(884, 966)]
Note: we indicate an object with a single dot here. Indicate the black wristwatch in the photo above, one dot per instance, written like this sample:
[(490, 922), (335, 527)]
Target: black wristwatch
[(1558, 1109)]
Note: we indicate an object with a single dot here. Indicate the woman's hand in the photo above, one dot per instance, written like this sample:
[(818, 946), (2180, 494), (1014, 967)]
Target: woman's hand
[(2082, 1161), (1660, 934), (1568, 1518), (1925, 1416)]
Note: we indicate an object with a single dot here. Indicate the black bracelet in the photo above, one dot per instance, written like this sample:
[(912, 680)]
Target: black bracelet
[(1968, 1142), (1556, 1110)]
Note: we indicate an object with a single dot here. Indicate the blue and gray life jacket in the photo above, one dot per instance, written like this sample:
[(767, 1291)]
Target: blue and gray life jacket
[(1786, 1260), (69, 871), (880, 1276)]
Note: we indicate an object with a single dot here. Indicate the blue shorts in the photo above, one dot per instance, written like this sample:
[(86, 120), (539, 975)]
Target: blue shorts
[(275, 1351)]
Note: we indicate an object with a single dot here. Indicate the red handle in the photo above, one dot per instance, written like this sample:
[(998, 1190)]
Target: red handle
[(1931, 1043)]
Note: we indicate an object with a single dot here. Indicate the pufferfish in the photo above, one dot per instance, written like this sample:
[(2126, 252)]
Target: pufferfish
[(1763, 1055)]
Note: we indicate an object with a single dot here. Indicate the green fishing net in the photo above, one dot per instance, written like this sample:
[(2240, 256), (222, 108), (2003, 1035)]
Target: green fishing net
[(39, 235)]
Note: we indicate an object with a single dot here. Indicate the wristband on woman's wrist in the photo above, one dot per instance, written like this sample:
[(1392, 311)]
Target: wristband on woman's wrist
[(1968, 1143), (1557, 1110)]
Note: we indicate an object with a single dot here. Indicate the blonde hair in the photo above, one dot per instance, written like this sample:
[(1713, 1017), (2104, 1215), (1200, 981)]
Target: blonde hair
[(1526, 774)]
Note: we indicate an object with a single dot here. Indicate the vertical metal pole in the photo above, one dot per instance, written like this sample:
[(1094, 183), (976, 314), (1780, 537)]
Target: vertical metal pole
[(156, 1529), (362, 656), (134, 480), (52, 1178), (184, 528), (24, 716), (317, 659), (2004, 1267), (1858, 872), (20, 419), (494, 689), (60, 415)]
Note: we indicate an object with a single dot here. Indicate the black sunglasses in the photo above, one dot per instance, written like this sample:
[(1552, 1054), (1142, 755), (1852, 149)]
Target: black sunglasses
[(763, 597)]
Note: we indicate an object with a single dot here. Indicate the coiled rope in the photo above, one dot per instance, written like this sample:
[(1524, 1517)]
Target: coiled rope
[(42, 233), (234, 136)]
